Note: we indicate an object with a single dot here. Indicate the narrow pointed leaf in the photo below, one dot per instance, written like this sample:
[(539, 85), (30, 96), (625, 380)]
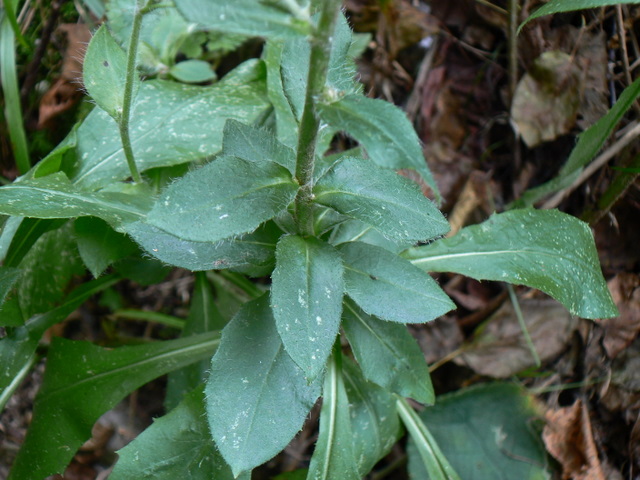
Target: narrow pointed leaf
[(226, 197), (251, 383), (306, 296), (104, 72), (544, 249), (383, 130), (388, 355), (256, 249), (19, 346), (374, 421), (101, 378), (379, 197), (286, 122), (589, 144), (55, 197), (390, 287), (99, 245), (560, 6), (177, 445), (485, 429), (246, 17), (255, 145), (334, 455)]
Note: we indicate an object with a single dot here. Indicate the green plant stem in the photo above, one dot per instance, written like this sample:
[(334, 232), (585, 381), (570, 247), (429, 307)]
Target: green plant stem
[(128, 94), (10, 13), (523, 326), (434, 460), (310, 123)]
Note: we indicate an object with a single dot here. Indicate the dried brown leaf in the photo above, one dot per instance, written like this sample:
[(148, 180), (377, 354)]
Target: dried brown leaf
[(499, 349), (568, 437)]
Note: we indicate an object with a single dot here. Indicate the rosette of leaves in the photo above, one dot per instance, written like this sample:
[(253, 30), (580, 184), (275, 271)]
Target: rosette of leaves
[(335, 234)]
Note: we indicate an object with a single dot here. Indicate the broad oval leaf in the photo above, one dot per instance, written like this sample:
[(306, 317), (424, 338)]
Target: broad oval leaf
[(383, 130), (390, 287), (251, 383), (306, 297), (104, 72), (177, 445), (254, 250), (381, 198), (436, 465), (374, 422), (171, 123), (388, 355), (334, 455), (248, 17), (228, 196), (101, 378), (485, 429), (544, 249), (54, 196)]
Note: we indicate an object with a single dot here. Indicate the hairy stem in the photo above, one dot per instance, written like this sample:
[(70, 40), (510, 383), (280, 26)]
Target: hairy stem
[(309, 124), (132, 53)]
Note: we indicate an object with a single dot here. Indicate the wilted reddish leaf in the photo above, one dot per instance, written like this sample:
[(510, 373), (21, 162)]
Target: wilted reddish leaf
[(66, 91), (569, 438), (621, 331)]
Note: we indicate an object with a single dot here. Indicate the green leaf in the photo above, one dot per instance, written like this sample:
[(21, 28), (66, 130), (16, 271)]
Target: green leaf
[(203, 317), (374, 422), (171, 123), (390, 287), (104, 73), (8, 277), (99, 245), (55, 197), (334, 455), (20, 234), (256, 145), (388, 355), (589, 144), (436, 465), (306, 297), (544, 249), (294, 67), (559, 6), (248, 17), (388, 202), (177, 445), (286, 122), (356, 231), (101, 378), (486, 434), (383, 130), (46, 270), (192, 71), (226, 197), (255, 250), (251, 383)]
